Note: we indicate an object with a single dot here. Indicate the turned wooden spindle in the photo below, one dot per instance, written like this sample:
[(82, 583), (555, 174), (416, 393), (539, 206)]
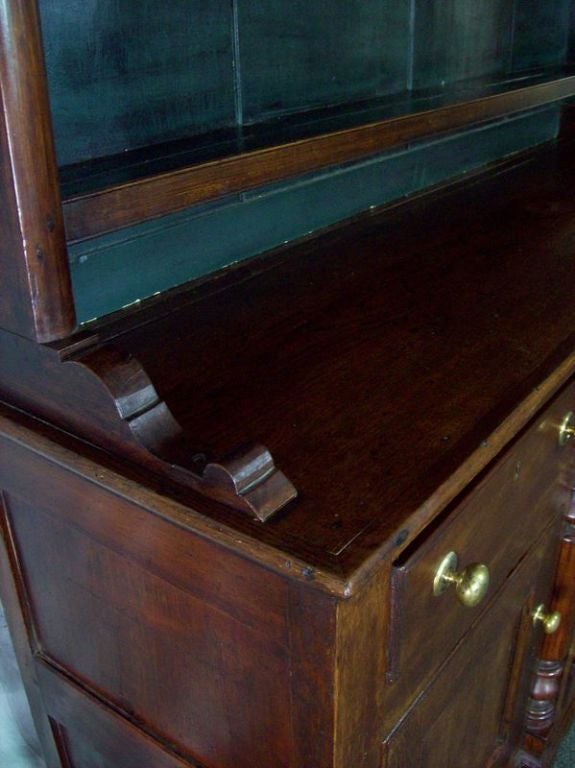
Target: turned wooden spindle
[(544, 695), (548, 684)]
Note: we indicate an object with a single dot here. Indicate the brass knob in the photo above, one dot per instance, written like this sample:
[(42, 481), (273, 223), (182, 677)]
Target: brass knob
[(551, 621), (471, 584), (567, 429)]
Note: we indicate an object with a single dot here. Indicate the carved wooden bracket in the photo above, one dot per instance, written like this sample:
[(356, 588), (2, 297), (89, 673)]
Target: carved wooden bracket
[(105, 396)]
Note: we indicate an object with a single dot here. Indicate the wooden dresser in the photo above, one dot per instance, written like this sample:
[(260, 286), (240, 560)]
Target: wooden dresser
[(287, 381)]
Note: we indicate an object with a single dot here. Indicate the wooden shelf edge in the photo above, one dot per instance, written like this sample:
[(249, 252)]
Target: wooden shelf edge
[(123, 205)]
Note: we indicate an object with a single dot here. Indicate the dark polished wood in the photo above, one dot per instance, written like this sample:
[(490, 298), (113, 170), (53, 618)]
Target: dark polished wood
[(362, 354), (79, 530), (447, 723), (464, 372), (551, 696), (525, 490), (36, 293), (541, 711), (120, 205), (113, 740), (104, 395), (17, 610), (203, 650), (173, 600)]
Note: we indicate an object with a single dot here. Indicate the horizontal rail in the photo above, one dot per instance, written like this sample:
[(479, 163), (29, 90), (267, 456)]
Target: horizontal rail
[(122, 205)]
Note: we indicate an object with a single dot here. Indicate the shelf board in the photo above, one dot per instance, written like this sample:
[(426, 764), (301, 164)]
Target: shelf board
[(238, 161), (377, 352)]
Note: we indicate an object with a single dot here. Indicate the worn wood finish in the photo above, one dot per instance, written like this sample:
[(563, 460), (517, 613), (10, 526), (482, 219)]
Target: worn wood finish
[(456, 721), (221, 667), (410, 371), (418, 353), (105, 395), (121, 205), (558, 645), (526, 491), (36, 290), (550, 695), (363, 355), (76, 540), (541, 710), (199, 656), (314, 624), (114, 741), (536, 754), (361, 706), (25, 442)]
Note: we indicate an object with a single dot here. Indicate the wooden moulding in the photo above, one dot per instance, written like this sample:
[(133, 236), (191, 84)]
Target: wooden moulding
[(125, 204), (104, 395), (549, 683), (36, 294), (22, 632)]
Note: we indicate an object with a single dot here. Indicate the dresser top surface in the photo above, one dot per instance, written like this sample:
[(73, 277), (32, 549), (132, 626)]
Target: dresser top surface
[(379, 362)]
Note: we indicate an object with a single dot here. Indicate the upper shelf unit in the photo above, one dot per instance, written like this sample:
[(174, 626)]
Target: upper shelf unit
[(149, 144), (101, 196), (158, 107)]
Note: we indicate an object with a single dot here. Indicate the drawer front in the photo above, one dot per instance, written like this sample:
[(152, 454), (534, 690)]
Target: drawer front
[(471, 713), (494, 525)]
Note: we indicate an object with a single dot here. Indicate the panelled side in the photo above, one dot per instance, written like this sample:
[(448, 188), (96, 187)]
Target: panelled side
[(213, 658), (18, 618)]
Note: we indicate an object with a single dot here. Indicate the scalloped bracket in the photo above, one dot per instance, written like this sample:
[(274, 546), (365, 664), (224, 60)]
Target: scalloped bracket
[(104, 395)]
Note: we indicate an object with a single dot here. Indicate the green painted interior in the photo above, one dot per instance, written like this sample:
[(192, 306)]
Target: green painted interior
[(540, 33), (303, 54), (128, 73), (125, 76), (118, 269)]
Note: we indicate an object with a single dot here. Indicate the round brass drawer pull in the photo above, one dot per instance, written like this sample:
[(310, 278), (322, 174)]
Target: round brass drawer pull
[(551, 621), (567, 428), (471, 584)]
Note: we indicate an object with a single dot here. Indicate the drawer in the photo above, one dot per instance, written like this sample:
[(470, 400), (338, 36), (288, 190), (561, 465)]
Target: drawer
[(471, 712), (493, 525)]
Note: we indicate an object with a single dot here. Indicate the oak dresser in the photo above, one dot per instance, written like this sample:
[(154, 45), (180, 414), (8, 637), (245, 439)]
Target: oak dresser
[(287, 381)]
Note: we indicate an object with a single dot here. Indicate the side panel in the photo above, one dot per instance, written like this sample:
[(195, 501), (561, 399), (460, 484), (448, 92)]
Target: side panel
[(113, 741), (220, 661), (18, 618)]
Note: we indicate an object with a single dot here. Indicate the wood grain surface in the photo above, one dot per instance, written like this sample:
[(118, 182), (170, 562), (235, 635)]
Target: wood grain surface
[(36, 290), (120, 205), (413, 344)]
